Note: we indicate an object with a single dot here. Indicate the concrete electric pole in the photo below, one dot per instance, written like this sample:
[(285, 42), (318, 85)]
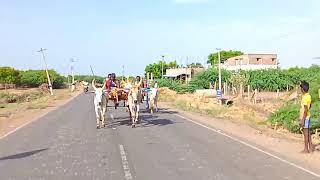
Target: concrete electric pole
[(219, 92), (73, 85), (45, 63), (162, 66)]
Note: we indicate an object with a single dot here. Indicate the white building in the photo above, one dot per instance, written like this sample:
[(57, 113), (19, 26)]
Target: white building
[(183, 74)]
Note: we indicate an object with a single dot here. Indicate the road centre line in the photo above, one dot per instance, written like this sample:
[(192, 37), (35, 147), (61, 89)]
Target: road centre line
[(125, 163)]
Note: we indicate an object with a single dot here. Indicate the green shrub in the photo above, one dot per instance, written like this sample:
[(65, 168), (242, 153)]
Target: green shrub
[(99, 79), (34, 78), (173, 85), (9, 75), (288, 115), (203, 79), (19, 98)]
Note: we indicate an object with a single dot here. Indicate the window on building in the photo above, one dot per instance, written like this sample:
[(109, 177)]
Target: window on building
[(258, 59), (273, 59)]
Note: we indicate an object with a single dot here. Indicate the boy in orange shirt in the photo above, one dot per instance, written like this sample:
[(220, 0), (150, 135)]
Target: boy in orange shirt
[(305, 116)]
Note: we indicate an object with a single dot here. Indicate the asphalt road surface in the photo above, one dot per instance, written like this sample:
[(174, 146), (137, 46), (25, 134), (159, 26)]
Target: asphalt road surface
[(65, 144)]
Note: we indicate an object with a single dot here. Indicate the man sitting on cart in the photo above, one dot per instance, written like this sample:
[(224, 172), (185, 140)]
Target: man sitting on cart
[(111, 86)]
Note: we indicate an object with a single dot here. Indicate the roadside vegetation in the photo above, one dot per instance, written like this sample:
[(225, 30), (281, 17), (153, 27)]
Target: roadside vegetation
[(19, 90), (30, 78), (285, 115)]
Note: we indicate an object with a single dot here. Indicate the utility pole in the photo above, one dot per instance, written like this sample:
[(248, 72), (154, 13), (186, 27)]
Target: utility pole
[(45, 63), (219, 61), (162, 66), (73, 86), (122, 72), (187, 62)]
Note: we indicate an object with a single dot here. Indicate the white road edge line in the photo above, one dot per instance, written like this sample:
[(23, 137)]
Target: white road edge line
[(19, 127), (35, 119), (252, 146), (125, 163)]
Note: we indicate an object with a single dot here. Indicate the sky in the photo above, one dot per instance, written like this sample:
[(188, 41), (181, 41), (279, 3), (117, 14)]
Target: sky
[(108, 34)]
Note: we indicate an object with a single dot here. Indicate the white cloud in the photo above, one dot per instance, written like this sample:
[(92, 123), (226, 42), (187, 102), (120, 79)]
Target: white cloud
[(189, 1)]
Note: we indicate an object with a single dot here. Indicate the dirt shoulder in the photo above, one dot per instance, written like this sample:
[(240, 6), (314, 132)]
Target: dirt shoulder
[(287, 146), (16, 115)]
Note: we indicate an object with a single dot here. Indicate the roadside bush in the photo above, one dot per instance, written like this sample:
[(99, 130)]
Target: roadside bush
[(19, 98), (203, 79), (99, 79), (274, 79), (34, 78), (288, 115), (9, 75), (173, 85)]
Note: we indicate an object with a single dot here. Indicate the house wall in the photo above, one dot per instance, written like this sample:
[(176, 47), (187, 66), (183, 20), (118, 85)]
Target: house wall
[(177, 71), (266, 59), (252, 62), (189, 72), (249, 67), (237, 60)]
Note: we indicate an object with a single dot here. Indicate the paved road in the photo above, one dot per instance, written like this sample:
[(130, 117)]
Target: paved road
[(65, 145)]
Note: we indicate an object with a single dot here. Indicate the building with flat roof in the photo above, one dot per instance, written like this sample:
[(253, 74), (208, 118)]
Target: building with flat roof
[(183, 74), (251, 62)]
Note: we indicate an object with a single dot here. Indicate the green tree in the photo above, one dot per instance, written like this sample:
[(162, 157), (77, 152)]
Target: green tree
[(156, 68), (195, 65), (9, 75), (224, 55), (172, 64), (34, 78), (89, 78)]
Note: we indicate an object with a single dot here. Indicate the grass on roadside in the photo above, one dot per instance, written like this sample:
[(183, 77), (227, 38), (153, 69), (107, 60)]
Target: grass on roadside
[(233, 114), (28, 100)]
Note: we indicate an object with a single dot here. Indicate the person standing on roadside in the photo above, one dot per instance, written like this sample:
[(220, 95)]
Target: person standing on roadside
[(305, 116)]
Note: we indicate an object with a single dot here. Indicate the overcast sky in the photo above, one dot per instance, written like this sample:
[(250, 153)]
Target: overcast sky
[(110, 33)]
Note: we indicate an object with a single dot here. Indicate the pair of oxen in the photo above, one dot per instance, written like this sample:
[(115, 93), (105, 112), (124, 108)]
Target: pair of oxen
[(101, 98)]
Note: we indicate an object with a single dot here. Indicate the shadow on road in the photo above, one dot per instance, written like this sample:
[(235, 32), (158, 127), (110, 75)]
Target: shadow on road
[(22, 155), (166, 111), (147, 119), (157, 122)]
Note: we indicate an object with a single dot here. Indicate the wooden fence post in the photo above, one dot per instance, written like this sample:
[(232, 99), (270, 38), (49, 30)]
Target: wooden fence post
[(215, 85), (248, 91), (227, 88), (241, 90), (296, 100), (287, 87), (232, 89), (319, 93), (255, 96), (277, 93), (224, 88)]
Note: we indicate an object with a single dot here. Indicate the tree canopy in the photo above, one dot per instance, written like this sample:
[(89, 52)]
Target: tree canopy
[(195, 65), (224, 55), (156, 68), (9, 75)]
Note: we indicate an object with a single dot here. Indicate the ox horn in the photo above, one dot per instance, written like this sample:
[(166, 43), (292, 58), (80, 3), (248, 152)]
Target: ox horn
[(104, 85), (94, 84)]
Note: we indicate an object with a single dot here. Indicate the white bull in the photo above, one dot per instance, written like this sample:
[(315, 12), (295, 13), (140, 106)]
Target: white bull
[(134, 99), (153, 100), (100, 103)]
